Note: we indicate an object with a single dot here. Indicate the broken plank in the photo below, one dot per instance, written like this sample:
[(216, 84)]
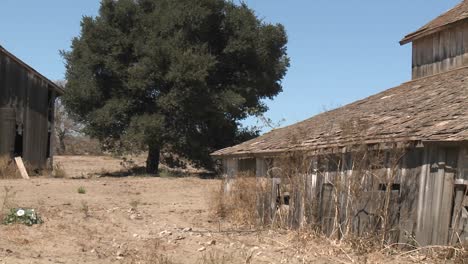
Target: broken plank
[(22, 169)]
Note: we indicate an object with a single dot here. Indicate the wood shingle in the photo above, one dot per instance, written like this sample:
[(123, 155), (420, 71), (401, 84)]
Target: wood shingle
[(434, 108)]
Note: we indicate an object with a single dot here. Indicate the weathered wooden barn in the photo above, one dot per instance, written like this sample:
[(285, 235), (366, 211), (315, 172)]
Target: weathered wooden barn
[(26, 111), (423, 122)]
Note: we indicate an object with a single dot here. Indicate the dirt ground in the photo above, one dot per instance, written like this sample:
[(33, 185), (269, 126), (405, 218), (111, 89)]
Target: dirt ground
[(142, 220)]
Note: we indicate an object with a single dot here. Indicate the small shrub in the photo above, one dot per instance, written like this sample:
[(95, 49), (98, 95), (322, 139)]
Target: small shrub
[(134, 204), (27, 217), (85, 209), (81, 190), (59, 172)]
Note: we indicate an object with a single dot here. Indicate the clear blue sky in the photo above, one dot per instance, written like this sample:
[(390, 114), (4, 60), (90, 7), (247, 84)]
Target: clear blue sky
[(340, 51)]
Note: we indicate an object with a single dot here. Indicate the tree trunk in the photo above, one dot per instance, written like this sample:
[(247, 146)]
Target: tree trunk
[(152, 162)]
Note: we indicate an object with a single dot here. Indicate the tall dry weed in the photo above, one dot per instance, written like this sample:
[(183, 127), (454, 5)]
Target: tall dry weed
[(8, 168), (59, 171), (6, 201), (237, 205), (156, 254), (216, 258)]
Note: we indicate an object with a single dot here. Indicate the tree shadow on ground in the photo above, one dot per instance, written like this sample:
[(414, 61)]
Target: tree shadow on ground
[(140, 171)]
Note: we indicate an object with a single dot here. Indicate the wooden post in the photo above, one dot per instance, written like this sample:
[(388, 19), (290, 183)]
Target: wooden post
[(447, 200), (457, 211)]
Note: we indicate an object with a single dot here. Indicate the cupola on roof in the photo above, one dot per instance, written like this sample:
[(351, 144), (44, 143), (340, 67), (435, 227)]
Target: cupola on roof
[(447, 19)]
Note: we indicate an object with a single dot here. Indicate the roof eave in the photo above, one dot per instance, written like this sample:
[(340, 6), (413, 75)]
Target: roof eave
[(51, 84), (423, 32)]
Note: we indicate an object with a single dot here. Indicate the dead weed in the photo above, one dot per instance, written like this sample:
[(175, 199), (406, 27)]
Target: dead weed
[(217, 257), (6, 202), (235, 200), (7, 168)]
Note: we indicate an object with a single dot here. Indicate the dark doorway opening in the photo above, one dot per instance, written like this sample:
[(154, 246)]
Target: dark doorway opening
[(18, 143), (49, 136)]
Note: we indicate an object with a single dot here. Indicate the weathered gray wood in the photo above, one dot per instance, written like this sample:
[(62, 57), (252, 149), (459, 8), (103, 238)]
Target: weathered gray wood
[(457, 221), (445, 213), (437, 194), (447, 196), (296, 208), (7, 131), (264, 200), (440, 52), (420, 208), (409, 195), (422, 203), (32, 98), (327, 206), (261, 167), (430, 215), (311, 199), (231, 167)]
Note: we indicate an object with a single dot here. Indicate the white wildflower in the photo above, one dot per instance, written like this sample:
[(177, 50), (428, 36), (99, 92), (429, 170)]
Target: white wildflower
[(20, 212)]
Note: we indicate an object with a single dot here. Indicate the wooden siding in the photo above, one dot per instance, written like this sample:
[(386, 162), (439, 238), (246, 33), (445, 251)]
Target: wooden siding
[(441, 51), (427, 205), (30, 99)]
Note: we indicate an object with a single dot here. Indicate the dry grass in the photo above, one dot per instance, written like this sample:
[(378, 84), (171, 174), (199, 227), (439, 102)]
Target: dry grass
[(8, 168), (6, 201), (217, 257), (238, 204), (85, 209), (59, 172), (368, 250), (155, 254)]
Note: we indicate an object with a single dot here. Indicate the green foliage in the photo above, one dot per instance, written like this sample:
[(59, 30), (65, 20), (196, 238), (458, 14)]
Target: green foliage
[(27, 217), (173, 75), (81, 190)]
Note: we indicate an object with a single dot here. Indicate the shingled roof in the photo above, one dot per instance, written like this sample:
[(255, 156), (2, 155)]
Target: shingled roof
[(433, 108), (454, 15)]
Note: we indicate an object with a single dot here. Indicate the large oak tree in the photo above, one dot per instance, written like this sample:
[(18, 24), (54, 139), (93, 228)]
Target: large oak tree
[(173, 74)]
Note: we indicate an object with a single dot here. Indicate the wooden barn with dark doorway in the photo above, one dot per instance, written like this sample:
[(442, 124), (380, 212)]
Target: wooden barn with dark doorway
[(27, 101)]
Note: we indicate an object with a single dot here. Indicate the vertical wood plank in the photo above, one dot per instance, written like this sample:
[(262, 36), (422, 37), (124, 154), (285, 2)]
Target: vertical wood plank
[(437, 194), (420, 234)]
